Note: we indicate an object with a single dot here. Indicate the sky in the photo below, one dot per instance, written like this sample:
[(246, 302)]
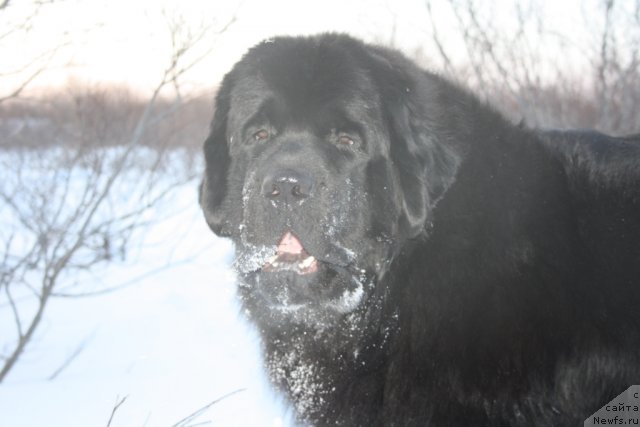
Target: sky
[(129, 43)]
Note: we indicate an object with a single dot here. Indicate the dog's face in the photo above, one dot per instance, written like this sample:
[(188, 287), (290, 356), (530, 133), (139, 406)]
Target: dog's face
[(301, 176)]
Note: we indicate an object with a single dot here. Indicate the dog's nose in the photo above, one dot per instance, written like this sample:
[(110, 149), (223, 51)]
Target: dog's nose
[(288, 185)]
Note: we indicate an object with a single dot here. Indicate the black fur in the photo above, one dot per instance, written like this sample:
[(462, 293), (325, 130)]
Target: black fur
[(470, 272)]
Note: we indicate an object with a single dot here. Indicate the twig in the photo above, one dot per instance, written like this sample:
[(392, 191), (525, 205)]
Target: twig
[(24, 338), (68, 360), (436, 39), (184, 422), (14, 309), (128, 283), (115, 409)]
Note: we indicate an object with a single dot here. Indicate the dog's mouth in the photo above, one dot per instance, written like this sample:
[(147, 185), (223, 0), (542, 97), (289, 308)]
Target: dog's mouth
[(291, 256), (304, 288)]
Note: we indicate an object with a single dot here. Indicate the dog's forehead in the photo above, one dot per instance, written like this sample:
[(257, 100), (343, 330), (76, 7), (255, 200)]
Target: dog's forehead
[(304, 73), (249, 92), (307, 65)]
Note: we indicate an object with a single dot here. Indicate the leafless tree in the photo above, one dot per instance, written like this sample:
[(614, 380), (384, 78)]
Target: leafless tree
[(509, 62), (616, 62), (73, 202)]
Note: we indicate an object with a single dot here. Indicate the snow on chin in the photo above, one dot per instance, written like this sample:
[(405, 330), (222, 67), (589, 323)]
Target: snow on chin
[(349, 300), (253, 257), (345, 304)]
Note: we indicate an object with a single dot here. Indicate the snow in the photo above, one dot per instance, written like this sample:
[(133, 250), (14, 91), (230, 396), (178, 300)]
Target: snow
[(171, 342), (350, 299), (303, 379)]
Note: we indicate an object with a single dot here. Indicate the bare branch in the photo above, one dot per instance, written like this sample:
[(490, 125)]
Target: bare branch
[(16, 314), (133, 281), (41, 62), (119, 403), (24, 338), (605, 61), (68, 360), (435, 34), (185, 421)]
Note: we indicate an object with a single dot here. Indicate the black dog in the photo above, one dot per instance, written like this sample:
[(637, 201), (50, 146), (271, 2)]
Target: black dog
[(409, 256)]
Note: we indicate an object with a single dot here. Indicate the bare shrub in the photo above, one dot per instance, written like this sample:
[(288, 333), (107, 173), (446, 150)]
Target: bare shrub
[(540, 75), (82, 171)]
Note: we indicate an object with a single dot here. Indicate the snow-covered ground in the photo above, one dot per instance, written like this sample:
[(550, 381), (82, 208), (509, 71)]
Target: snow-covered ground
[(171, 342)]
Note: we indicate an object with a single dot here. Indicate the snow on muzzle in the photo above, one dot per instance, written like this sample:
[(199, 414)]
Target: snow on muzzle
[(291, 256)]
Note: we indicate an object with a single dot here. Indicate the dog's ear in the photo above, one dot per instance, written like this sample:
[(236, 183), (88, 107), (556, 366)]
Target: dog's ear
[(423, 156), (213, 188), (425, 166)]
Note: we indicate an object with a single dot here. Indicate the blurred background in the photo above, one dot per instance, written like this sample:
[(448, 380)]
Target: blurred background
[(117, 305)]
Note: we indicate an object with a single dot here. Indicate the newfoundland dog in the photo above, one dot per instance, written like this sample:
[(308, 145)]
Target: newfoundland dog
[(412, 258)]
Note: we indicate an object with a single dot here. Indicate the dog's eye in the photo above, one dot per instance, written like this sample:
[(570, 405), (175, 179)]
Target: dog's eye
[(345, 140), (261, 135)]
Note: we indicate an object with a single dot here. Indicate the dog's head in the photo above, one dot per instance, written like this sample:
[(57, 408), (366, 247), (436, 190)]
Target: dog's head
[(319, 169)]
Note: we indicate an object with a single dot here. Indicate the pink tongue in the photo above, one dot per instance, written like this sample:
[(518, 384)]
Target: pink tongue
[(289, 244)]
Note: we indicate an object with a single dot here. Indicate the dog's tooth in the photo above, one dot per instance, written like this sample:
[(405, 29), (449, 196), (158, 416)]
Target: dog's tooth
[(306, 263)]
